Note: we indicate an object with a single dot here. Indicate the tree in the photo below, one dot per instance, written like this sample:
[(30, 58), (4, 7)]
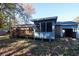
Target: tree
[(10, 10), (26, 11), (1, 20), (7, 10), (76, 19), (29, 9)]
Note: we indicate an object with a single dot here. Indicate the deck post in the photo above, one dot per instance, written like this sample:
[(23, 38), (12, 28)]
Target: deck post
[(76, 32), (40, 32), (33, 33)]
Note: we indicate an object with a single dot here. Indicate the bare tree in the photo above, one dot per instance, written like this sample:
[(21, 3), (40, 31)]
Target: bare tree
[(76, 19), (28, 10)]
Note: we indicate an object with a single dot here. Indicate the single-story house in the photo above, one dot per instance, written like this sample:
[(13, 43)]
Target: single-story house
[(45, 27), (48, 28)]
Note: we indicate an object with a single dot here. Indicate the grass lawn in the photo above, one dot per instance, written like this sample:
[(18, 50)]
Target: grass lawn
[(30, 47)]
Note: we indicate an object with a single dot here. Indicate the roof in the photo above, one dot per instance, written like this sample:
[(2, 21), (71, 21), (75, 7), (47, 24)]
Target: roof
[(68, 24), (45, 19)]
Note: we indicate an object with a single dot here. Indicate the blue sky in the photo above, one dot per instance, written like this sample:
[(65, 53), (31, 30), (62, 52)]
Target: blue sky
[(64, 11)]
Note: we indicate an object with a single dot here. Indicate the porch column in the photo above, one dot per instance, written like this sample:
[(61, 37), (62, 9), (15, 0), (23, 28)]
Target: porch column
[(76, 32), (41, 36), (33, 33)]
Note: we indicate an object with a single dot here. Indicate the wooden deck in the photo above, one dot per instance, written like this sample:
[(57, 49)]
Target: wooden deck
[(22, 31)]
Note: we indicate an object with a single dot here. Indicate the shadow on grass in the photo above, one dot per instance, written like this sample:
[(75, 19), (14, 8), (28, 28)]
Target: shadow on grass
[(12, 46), (30, 47), (56, 48)]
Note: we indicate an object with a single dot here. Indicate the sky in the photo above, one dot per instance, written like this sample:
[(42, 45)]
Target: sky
[(64, 11)]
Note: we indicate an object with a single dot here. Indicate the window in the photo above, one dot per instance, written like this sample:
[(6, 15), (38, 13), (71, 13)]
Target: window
[(37, 27), (43, 27), (49, 26)]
